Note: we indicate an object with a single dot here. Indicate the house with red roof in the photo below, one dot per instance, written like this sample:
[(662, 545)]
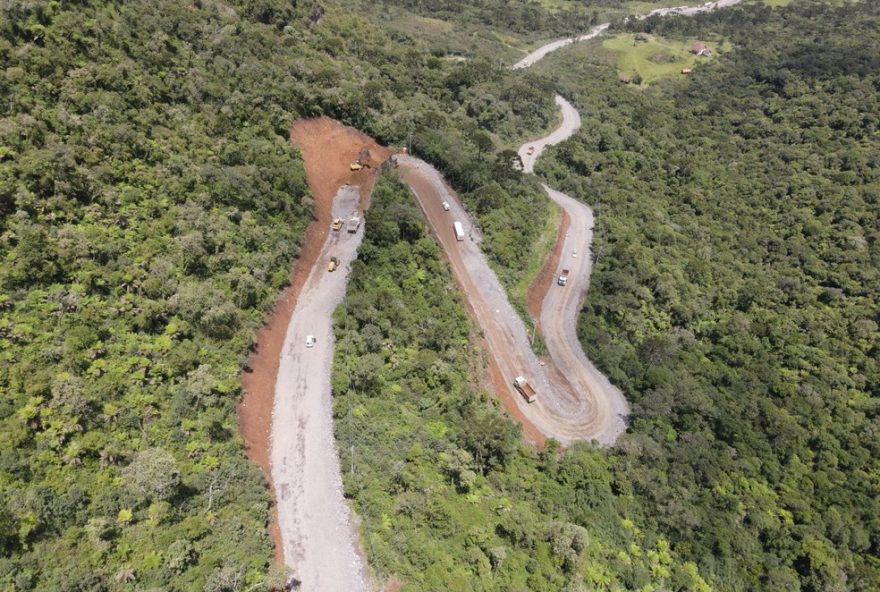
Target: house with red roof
[(700, 49)]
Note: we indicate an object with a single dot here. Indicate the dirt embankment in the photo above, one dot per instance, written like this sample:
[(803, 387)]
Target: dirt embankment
[(546, 276), (328, 148)]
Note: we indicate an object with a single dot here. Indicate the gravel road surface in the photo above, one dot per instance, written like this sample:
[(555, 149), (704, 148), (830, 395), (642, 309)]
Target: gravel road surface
[(318, 536), (570, 405), (571, 121), (562, 305)]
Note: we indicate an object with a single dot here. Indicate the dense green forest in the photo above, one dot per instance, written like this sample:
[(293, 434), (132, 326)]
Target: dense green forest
[(734, 300), (150, 208), (735, 292), (449, 496), (148, 217)]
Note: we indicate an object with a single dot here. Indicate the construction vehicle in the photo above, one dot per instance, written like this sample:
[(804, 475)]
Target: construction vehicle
[(459, 230), (363, 160), (337, 224), (334, 263), (563, 278), (525, 389), (353, 224)]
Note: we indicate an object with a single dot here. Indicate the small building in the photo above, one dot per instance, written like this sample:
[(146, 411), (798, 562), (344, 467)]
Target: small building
[(700, 49), (642, 37), (686, 71)]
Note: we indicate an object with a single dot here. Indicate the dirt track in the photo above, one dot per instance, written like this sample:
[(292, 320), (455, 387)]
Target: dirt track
[(316, 530), (573, 402), (321, 140), (316, 535)]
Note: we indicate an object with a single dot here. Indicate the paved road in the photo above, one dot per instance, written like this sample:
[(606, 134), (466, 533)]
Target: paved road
[(316, 530)]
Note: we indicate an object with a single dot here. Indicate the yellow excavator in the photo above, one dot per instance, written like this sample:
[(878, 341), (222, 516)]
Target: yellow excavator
[(362, 160)]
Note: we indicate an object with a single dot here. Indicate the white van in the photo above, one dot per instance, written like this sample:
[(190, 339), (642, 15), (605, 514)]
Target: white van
[(459, 230)]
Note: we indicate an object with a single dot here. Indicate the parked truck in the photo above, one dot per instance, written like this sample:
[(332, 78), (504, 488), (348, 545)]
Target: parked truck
[(563, 278), (525, 389), (459, 230), (353, 224)]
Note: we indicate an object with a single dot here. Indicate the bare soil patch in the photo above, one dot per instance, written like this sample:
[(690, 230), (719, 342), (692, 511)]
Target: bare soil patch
[(542, 282), (328, 148)]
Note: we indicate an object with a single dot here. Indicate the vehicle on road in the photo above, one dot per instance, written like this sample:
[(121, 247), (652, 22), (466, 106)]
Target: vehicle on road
[(531, 150), (574, 253), (563, 278), (446, 206), (459, 230), (337, 224), (525, 389), (353, 224), (334, 263), (310, 341)]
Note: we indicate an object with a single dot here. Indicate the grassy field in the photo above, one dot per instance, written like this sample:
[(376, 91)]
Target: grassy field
[(656, 58)]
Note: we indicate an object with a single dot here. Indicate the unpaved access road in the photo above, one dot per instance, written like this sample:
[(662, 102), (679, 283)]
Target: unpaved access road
[(562, 304), (572, 404), (316, 528), (575, 401)]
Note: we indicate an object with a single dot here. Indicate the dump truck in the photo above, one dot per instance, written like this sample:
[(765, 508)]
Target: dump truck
[(563, 278), (334, 263), (353, 224), (525, 389), (459, 230), (337, 224)]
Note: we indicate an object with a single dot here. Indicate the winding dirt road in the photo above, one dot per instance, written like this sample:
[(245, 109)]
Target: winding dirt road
[(576, 402)]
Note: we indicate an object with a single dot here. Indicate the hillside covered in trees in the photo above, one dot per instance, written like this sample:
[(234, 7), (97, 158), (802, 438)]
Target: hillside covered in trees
[(734, 300), (735, 294), (150, 209), (151, 206)]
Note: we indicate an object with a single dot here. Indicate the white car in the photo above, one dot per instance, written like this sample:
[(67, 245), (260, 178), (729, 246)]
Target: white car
[(310, 341), (446, 205), (574, 253)]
